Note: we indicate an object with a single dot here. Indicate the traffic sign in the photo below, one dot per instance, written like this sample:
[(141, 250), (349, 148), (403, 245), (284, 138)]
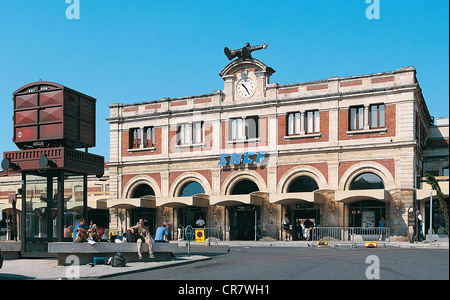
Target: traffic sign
[(199, 235), (189, 233)]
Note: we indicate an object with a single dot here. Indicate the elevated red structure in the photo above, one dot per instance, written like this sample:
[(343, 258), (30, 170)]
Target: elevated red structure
[(48, 114), (50, 122)]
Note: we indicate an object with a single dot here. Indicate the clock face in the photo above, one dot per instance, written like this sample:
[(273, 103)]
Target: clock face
[(245, 87)]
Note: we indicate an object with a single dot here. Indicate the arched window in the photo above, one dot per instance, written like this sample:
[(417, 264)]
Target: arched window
[(244, 187), (303, 184), (367, 181), (192, 188), (143, 190)]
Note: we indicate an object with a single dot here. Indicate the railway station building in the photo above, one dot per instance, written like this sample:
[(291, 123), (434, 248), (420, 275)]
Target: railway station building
[(341, 152)]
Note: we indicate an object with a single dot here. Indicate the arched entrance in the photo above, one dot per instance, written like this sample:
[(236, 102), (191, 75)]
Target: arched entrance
[(243, 217), (367, 181), (244, 187), (190, 214), (366, 213), (303, 184), (143, 190), (192, 188), (302, 210), (148, 214)]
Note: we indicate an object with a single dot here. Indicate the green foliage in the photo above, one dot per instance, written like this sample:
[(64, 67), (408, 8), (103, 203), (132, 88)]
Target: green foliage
[(431, 180)]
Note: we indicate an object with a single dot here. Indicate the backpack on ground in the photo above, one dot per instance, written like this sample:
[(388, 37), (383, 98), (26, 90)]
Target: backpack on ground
[(118, 260)]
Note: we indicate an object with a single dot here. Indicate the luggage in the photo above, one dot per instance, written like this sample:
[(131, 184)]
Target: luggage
[(117, 260), (99, 260), (131, 237)]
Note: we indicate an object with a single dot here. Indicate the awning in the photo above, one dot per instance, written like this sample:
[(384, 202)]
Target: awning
[(91, 204), (318, 196), (424, 194), (291, 198), (143, 202), (255, 198), (199, 200), (359, 195)]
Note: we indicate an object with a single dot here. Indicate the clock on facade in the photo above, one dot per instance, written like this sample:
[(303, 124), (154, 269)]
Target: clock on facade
[(245, 87)]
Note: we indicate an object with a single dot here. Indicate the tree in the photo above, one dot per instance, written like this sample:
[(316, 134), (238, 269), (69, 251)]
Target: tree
[(431, 180)]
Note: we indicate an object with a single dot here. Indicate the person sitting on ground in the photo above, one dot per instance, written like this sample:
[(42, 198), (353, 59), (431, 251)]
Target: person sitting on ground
[(82, 233), (143, 235), (161, 235)]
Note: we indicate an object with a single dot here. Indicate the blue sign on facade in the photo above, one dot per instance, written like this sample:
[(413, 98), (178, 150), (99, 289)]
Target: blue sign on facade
[(246, 158)]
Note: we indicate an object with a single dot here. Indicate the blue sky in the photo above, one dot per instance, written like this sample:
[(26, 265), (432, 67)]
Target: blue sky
[(140, 50)]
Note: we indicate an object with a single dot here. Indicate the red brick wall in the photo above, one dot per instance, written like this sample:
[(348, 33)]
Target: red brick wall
[(263, 135), (388, 163), (390, 117), (127, 178), (322, 167), (324, 131), (178, 103), (206, 173), (226, 171), (383, 79), (350, 83), (202, 100), (288, 90), (173, 142), (317, 87), (126, 144)]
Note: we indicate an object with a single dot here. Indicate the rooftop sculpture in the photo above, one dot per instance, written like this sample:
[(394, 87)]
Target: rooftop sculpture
[(245, 52)]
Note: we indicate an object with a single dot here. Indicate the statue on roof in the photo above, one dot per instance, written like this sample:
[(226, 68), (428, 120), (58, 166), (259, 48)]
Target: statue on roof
[(245, 52)]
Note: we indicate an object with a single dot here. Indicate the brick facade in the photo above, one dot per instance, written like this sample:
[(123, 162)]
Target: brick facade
[(333, 155)]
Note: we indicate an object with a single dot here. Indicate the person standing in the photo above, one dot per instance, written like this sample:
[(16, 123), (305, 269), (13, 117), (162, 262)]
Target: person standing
[(381, 226), (180, 230), (421, 236), (200, 222), (286, 227), (308, 229)]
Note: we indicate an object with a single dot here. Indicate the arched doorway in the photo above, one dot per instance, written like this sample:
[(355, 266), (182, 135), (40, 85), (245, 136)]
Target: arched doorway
[(366, 213), (244, 187), (143, 190), (242, 217), (367, 181), (302, 211), (303, 184), (148, 214), (192, 188), (190, 214)]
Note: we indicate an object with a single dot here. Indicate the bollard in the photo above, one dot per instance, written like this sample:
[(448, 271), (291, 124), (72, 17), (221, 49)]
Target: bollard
[(322, 243), (371, 244)]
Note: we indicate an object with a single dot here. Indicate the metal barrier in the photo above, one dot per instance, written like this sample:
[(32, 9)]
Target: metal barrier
[(379, 234), (212, 232), (353, 236)]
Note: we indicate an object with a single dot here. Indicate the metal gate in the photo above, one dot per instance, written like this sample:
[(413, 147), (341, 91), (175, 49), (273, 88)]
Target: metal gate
[(353, 236)]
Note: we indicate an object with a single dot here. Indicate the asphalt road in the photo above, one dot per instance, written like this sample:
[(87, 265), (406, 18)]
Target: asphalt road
[(274, 263)]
